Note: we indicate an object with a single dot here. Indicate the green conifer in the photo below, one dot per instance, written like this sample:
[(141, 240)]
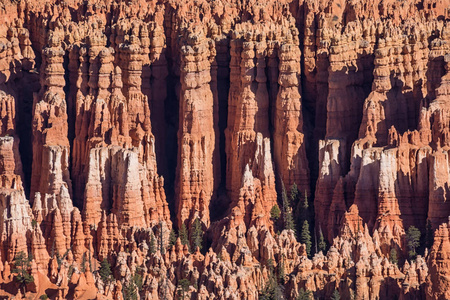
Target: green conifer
[(22, 264), (413, 239), (294, 195), (429, 235), (184, 235), (393, 256), (152, 246), (287, 212), (197, 235), (305, 237), (336, 295), (105, 271), (183, 287), (322, 243), (304, 295), (275, 213), (172, 238)]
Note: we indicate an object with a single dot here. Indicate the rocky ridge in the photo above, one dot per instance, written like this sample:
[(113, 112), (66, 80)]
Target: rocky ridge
[(148, 116)]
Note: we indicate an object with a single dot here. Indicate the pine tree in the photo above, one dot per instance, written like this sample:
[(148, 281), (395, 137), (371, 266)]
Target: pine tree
[(172, 238), (152, 246), (304, 295), (183, 287), (305, 237), (161, 235), (197, 235), (281, 273), (322, 243), (294, 195), (138, 279), (270, 288), (129, 291), (287, 212), (304, 211), (83, 262), (429, 235), (275, 213), (336, 295), (184, 235), (22, 264), (413, 239), (105, 271), (393, 256)]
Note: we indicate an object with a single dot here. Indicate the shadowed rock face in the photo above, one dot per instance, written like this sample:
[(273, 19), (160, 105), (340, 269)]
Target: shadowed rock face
[(121, 121)]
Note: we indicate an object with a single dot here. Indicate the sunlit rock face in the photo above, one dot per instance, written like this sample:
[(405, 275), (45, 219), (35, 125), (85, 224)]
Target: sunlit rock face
[(160, 140)]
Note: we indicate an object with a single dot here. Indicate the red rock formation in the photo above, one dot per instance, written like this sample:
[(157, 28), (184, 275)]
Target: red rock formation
[(262, 94), (289, 146), (438, 265), (197, 142)]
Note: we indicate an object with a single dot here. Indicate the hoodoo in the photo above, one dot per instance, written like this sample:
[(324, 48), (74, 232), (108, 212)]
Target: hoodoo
[(224, 149)]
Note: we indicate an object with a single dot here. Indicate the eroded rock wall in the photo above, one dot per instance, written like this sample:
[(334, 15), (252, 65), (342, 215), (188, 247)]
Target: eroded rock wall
[(121, 121)]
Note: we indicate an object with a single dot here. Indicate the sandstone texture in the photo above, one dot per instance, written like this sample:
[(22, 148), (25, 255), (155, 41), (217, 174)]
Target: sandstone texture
[(123, 123)]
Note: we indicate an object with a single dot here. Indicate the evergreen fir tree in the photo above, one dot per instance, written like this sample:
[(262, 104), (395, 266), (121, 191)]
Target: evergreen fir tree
[(281, 273), (275, 213), (336, 295), (305, 206), (287, 212), (413, 239), (302, 211), (152, 246), (304, 295), (393, 256), (22, 263), (105, 271), (138, 280), (322, 243), (270, 290), (429, 235), (161, 243), (129, 291), (83, 262), (197, 235), (294, 195), (305, 237), (183, 287), (184, 235), (172, 238)]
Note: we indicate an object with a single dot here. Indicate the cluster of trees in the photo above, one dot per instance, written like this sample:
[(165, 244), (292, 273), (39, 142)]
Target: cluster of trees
[(416, 242), (193, 240), (297, 214), (274, 287), (130, 290)]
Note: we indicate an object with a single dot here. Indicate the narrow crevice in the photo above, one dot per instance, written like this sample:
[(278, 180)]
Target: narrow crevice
[(219, 204), (171, 115), (29, 83)]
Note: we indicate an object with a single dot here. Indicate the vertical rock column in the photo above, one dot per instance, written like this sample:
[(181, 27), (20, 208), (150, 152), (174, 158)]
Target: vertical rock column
[(50, 181), (289, 147), (196, 135), (87, 88), (15, 212), (249, 160), (133, 116), (439, 204)]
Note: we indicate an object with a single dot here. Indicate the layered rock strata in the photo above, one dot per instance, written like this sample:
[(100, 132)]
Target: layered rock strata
[(148, 115)]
